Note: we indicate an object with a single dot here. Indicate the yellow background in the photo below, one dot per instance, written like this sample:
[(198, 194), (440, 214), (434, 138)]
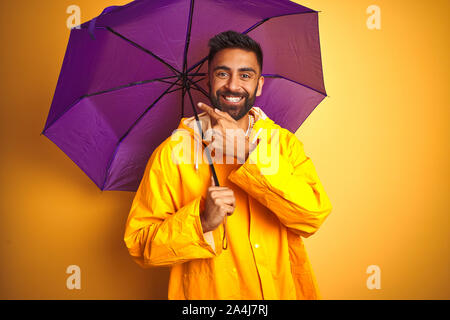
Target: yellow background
[(380, 144)]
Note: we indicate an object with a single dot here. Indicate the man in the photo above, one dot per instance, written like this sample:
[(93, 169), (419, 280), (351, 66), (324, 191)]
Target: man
[(242, 239)]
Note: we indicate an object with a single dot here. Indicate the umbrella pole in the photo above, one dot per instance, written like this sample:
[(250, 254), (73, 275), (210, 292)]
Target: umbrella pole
[(197, 120), (216, 181)]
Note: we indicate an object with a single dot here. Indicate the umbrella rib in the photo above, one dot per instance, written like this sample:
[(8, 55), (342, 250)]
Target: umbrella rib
[(197, 74), (281, 77), (131, 84), (106, 91), (267, 19), (169, 82), (108, 168), (252, 28), (198, 80), (256, 25), (186, 48), (199, 88), (183, 93), (188, 36), (144, 49), (173, 90), (146, 110), (200, 66), (198, 63)]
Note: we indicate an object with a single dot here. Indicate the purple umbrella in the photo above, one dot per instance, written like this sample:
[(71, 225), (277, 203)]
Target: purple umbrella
[(133, 72)]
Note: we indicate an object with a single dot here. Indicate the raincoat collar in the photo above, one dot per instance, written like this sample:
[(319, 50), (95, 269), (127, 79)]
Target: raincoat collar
[(260, 119), (205, 122)]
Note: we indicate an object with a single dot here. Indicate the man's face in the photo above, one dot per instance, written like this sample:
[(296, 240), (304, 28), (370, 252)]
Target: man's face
[(234, 81)]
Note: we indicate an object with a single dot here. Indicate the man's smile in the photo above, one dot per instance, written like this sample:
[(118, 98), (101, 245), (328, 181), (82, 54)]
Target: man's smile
[(236, 103), (231, 99)]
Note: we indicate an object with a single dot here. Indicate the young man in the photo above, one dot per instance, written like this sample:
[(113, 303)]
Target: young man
[(242, 239)]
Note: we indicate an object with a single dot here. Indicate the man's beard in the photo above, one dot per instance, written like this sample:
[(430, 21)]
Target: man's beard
[(248, 101)]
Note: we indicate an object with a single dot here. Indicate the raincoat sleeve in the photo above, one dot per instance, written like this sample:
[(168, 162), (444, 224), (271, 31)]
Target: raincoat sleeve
[(285, 182), (159, 231)]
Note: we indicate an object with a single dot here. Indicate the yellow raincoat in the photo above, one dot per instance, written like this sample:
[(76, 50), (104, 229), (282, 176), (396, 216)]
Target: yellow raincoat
[(276, 205)]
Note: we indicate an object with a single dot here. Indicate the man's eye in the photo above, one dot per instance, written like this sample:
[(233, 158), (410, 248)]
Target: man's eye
[(222, 74), (245, 75)]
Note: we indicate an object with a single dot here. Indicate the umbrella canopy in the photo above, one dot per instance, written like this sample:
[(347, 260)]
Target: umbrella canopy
[(133, 72)]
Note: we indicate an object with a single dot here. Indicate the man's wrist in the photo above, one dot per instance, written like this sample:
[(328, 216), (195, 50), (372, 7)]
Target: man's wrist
[(203, 223)]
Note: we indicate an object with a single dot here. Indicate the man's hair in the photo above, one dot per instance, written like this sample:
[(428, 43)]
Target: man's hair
[(233, 39)]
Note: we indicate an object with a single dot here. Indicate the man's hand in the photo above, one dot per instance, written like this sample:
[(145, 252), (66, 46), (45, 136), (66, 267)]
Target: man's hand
[(221, 122), (220, 202)]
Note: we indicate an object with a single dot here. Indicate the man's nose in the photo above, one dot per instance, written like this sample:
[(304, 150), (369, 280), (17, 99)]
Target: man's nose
[(233, 83)]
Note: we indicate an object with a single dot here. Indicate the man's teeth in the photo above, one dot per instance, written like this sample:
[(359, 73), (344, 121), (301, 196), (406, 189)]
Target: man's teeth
[(233, 99)]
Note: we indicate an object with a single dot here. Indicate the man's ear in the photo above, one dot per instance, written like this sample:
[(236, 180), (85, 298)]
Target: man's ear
[(260, 85)]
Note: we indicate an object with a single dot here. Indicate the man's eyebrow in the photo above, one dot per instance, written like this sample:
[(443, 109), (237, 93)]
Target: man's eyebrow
[(248, 69), (222, 67)]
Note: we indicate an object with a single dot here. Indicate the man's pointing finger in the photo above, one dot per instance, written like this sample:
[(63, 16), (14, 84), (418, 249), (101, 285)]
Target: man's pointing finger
[(209, 110), (205, 107)]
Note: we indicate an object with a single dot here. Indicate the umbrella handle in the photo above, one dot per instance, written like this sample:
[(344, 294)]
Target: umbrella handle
[(216, 182)]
